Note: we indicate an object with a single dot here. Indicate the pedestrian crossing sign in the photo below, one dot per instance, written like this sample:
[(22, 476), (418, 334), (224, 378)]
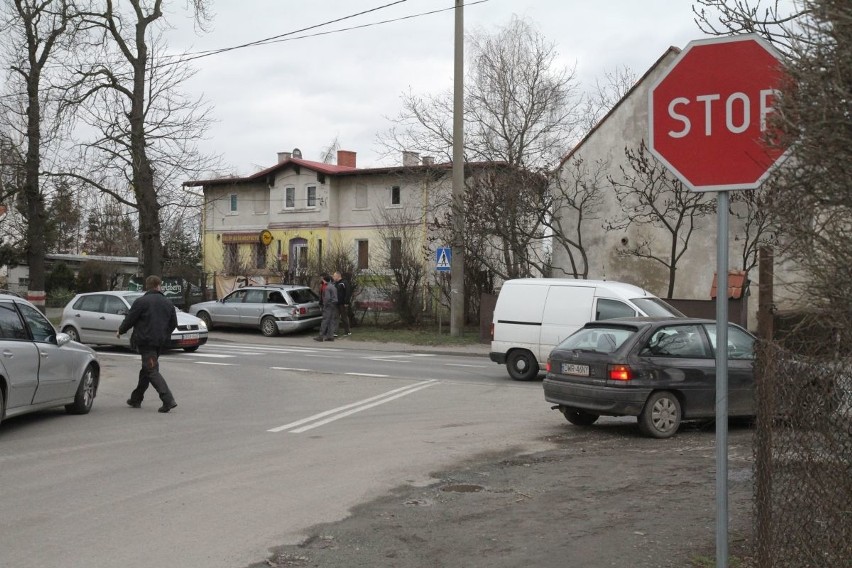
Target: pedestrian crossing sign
[(443, 256)]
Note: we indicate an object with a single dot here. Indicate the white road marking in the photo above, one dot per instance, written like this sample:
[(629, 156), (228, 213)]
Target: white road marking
[(213, 363), (211, 355), (343, 411), (135, 355), (463, 365), (383, 360), (290, 369), (366, 375)]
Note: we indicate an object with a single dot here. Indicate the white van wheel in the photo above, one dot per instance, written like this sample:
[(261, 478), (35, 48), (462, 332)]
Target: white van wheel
[(522, 365)]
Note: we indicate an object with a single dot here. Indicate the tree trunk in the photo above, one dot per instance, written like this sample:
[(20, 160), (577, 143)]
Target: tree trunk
[(34, 199)]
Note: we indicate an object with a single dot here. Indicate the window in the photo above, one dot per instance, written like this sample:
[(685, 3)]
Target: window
[(740, 343), (260, 255), (113, 305), (300, 255), (235, 297), (609, 309), (41, 329), (11, 326), (232, 258), (89, 303), (312, 196), (395, 200), (395, 252), (255, 296), (686, 341), (363, 254), (361, 197), (289, 198), (233, 204)]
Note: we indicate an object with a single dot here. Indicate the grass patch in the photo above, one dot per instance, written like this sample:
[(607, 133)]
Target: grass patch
[(415, 335)]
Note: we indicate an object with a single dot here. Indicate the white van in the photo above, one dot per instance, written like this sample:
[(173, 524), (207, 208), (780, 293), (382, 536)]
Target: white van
[(533, 315)]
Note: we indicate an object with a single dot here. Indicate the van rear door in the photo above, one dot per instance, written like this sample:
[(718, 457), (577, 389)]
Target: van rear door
[(567, 309)]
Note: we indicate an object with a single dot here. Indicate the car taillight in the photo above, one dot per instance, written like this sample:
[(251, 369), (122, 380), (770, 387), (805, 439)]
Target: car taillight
[(303, 311), (546, 367), (620, 373)]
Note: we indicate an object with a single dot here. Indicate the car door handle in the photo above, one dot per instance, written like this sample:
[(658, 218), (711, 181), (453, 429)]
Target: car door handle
[(8, 354), (102, 318), (44, 353)]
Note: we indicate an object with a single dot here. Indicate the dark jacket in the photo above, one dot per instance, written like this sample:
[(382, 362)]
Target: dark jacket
[(153, 318), (342, 292)]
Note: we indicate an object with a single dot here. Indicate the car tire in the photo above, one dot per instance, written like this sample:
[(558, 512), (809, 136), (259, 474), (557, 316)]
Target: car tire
[(661, 416), (522, 365), (191, 349), (268, 326), (85, 395), (72, 332), (579, 417), (205, 317)]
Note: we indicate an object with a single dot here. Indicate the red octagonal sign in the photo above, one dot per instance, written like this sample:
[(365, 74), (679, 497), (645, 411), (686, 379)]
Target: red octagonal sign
[(709, 112)]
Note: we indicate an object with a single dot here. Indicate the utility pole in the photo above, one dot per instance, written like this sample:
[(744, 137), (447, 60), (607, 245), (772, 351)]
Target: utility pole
[(457, 259)]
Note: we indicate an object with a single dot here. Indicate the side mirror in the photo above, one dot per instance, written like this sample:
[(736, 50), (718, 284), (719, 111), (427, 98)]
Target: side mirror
[(62, 339)]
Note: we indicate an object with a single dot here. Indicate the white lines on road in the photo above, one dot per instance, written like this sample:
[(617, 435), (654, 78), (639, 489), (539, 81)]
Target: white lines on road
[(463, 365), (291, 369), (320, 419), (214, 363), (212, 355), (366, 375)]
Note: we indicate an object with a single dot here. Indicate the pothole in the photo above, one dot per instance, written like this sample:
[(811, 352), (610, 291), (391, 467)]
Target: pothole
[(462, 488)]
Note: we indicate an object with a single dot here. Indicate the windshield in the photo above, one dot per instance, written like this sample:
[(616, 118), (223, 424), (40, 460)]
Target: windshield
[(600, 339), (657, 307)]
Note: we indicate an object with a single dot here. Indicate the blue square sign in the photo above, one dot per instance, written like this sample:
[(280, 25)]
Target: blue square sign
[(443, 256)]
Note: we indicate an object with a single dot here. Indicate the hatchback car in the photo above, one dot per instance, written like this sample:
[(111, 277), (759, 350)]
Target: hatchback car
[(661, 370), (273, 308), (41, 368), (94, 317)]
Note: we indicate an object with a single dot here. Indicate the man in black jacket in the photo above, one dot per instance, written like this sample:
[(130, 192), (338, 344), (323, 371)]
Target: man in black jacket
[(343, 296), (153, 319)]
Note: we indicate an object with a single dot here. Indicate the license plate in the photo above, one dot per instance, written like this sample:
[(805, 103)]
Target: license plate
[(189, 338), (572, 369)]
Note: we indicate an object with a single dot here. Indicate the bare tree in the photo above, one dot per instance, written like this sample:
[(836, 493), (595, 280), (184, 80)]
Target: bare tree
[(606, 94), (37, 30), (649, 195), (147, 130), (575, 197), (752, 210)]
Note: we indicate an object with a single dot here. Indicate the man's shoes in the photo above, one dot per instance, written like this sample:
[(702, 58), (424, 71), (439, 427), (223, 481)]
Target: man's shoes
[(318, 338), (329, 339), (166, 407), (133, 404), (347, 334)]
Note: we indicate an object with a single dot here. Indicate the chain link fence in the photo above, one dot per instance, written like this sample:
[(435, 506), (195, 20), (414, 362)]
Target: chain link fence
[(803, 455)]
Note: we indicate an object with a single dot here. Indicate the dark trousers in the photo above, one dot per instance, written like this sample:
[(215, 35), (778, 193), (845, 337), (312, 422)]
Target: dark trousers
[(150, 374), (343, 312)]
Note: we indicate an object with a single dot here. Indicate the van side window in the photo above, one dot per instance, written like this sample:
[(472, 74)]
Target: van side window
[(609, 309)]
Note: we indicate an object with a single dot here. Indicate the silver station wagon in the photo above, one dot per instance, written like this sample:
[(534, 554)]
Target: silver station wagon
[(41, 368), (272, 308)]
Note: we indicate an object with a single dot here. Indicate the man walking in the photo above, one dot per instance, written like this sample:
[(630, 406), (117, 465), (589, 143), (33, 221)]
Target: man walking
[(153, 319), (342, 301), (329, 310)]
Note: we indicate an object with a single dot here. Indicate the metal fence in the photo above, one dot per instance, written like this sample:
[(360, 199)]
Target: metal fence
[(803, 459)]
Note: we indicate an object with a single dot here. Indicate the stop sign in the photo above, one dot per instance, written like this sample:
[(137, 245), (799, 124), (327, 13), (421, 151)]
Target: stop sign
[(709, 112)]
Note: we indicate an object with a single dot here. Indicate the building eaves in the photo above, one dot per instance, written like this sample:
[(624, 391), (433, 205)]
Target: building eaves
[(671, 50)]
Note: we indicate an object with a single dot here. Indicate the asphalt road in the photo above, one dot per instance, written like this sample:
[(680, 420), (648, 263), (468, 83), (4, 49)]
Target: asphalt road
[(271, 436)]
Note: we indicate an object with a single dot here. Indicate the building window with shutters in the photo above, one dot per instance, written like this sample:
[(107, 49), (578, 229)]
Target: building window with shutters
[(363, 255), (312, 195)]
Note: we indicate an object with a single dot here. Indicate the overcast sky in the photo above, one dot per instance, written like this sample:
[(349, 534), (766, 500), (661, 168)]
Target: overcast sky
[(305, 92)]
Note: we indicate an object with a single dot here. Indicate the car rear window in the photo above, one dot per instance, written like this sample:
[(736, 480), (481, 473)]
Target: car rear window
[(600, 339), (303, 295), (657, 307)]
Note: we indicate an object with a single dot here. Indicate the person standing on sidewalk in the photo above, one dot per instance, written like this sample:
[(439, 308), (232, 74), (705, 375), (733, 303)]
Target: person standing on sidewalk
[(329, 310), (153, 319), (343, 296)]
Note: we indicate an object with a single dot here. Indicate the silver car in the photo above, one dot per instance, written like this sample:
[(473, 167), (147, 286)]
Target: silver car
[(272, 308), (94, 317), (39, 367)]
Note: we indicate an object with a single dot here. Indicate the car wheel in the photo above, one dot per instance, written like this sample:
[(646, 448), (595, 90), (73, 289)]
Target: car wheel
[(72, 332), (85, 393), (522, 365), (579, 417), (205, 317), (661, 416), (268, 326), (191, 349)]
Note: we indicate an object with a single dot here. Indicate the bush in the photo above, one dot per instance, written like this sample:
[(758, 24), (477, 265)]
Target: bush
[(61, 278), (59, 297)]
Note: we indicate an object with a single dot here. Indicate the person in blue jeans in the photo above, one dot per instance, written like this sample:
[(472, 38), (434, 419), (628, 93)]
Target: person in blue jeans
[(153, 319), (329, 310)]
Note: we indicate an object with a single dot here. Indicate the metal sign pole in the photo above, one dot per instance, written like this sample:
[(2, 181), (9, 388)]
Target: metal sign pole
[(722, 381)]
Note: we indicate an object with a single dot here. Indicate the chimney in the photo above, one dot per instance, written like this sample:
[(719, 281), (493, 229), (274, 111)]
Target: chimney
[(428, 160), (282, 156), (410, 159), (346, 158)]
